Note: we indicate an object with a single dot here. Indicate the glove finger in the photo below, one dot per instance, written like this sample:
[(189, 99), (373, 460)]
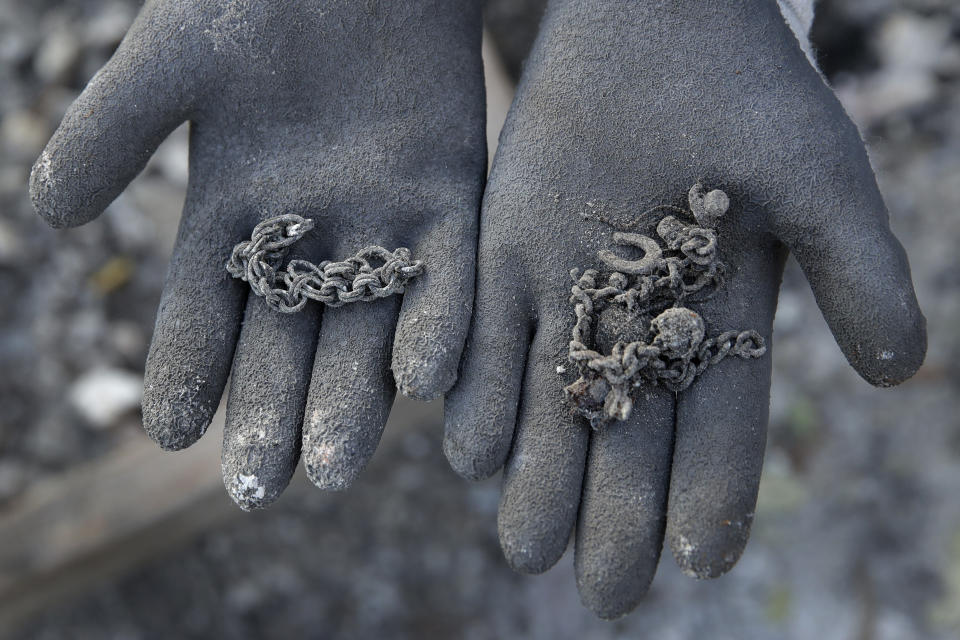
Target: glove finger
[(481, 410), (623, 510), (435, 314), (268, 393), (351, 391), (834, 220), (106, 137), (722, 424), (196, 329), (544, 473)]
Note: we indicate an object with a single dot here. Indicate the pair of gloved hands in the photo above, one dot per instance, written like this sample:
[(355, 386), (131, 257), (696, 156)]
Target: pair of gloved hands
[(368, 117)]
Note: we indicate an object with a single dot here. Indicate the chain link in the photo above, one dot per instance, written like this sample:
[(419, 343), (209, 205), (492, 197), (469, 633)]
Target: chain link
[(257, 261), (675, 350)]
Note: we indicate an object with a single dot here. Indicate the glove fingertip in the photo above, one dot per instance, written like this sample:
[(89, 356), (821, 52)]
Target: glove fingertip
[(896, 357), (255, 490), (335, 457), (530, 544), (530, 558), (609, 604), (423, 377), (330, 477), (257, 467), (52, 199), (171, 426), (611, 585), (710, 553), (473, 460), (426, 354)]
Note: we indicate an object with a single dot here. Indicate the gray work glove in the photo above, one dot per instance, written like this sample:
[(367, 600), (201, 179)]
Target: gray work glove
[(623, 106), (365, 117)]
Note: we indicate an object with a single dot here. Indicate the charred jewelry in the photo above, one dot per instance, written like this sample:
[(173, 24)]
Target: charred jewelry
[(636, 310), (334, 284)]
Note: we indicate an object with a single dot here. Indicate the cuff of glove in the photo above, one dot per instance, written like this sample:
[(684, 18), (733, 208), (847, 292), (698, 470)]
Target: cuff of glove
[(799, 15)]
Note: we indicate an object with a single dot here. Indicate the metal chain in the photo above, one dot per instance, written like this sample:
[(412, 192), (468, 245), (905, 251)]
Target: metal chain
[(657, 283), (334, 284)]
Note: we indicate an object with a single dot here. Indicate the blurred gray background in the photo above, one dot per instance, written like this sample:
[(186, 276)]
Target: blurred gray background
[(857, 534)]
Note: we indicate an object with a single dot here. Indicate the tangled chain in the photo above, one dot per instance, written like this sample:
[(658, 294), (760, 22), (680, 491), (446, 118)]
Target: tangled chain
[(674, 349), (355, 279)]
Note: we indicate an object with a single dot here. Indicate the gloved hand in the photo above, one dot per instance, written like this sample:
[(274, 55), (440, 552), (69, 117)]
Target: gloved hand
[(624, 106), (367, 118)]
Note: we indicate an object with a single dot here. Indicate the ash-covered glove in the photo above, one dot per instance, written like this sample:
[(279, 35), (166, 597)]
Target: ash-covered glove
[(366, 118), (713, 110)]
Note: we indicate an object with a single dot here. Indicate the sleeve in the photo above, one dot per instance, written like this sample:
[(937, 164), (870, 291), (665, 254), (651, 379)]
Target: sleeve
[(799, 15)]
